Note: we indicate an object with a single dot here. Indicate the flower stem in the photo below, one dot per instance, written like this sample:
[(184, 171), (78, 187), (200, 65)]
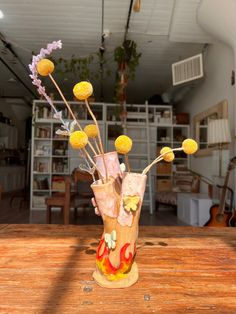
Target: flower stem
[(93, 163), (69, 108), (159, 158), (127, 163), (99, 136), (96, 144)]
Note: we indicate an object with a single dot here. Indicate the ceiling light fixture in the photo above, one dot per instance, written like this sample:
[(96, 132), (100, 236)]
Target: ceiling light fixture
[(12, 80), (1, 14), (106, 33), (137, 6)]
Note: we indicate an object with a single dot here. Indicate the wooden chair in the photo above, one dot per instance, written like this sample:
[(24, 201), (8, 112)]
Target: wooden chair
[(62, 200), (66, 200), (83, 192)]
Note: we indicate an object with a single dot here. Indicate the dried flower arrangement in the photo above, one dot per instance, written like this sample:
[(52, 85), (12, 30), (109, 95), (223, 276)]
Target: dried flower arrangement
[(118, 195)]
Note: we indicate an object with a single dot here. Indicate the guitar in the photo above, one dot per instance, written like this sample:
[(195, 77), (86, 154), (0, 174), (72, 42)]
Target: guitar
[(232, 221), (222, 215)]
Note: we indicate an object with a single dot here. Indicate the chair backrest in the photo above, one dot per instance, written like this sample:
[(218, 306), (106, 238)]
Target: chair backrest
[(82, 176), (82, 181), (67, 189)]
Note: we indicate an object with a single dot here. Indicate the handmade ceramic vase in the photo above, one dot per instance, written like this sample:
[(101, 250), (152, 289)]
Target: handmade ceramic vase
[(119, 204), (112, 164)]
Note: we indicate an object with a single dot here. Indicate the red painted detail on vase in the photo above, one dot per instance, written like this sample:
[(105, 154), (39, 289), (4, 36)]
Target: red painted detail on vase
[(105, 265), (104, 258), (122, 254), (99, 248)]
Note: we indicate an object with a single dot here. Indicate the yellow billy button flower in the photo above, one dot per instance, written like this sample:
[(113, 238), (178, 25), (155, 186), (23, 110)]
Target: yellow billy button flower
[(189, 146), (83, 90), (123, 144), (91, 130), (168, 157), (78, 139), (45, 67)]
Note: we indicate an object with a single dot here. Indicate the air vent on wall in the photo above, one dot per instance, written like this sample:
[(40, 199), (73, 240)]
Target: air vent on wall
[(187, 70)]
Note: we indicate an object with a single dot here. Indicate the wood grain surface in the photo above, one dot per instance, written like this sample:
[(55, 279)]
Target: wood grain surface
[(48, 269)]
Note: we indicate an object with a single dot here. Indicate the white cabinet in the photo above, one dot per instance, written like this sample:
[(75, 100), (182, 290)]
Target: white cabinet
[(193, 208)]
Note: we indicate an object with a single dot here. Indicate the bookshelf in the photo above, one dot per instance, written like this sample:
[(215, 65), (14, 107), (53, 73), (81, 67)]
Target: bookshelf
[(53, 158)]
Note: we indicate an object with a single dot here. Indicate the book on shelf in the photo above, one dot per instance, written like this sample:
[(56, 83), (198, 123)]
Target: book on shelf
[(58, 183), (43, 132), (40, 166), (41, 184)]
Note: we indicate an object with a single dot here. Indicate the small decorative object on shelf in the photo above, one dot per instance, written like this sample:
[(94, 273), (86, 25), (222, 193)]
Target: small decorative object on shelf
[(118, 195)]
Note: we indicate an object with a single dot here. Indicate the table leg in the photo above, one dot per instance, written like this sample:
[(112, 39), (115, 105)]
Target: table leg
[(48, 214), (66, 214)]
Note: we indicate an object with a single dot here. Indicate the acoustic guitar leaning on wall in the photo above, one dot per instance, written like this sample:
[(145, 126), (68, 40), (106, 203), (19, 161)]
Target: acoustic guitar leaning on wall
[(232, 221), (222, 215)]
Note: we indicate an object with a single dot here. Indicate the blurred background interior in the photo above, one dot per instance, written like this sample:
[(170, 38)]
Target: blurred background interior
[(162, 71)]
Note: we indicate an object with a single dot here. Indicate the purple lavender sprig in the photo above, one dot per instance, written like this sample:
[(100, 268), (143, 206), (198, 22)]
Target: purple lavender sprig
[(38, 83)]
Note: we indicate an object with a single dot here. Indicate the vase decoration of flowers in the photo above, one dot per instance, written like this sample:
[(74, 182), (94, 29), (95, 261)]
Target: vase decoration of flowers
[(118, 194)]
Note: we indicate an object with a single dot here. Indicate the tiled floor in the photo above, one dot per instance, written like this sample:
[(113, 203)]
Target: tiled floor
[(14, 214)]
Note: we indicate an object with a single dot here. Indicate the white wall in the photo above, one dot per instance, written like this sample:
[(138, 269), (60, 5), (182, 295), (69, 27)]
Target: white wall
[(218, 65)]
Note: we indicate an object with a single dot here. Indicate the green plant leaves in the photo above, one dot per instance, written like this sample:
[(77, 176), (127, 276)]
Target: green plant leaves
[(127, 58), (80, 67)]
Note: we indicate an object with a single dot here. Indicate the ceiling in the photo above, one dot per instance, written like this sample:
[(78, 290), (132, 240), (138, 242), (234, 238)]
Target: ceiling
[(165, 31)]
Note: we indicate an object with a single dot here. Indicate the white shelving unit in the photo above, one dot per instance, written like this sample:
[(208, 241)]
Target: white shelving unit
[(150, 127), (52, 157), (170, 135), (138, 128)]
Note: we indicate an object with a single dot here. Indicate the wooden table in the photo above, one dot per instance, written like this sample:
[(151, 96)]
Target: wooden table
[(48, 268)]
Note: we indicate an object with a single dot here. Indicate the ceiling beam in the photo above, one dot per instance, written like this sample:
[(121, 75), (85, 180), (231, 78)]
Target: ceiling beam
[(18, 78), (9, 47)]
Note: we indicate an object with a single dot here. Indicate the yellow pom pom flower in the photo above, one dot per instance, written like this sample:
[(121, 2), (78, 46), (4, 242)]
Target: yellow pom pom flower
[(189, 146), (78, 139), (91, 130), (83, 90), (123, 144), (168, 157), (45, 67)]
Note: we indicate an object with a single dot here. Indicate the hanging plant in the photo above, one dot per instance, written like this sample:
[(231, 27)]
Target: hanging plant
[(79, 67), (127, 58)]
